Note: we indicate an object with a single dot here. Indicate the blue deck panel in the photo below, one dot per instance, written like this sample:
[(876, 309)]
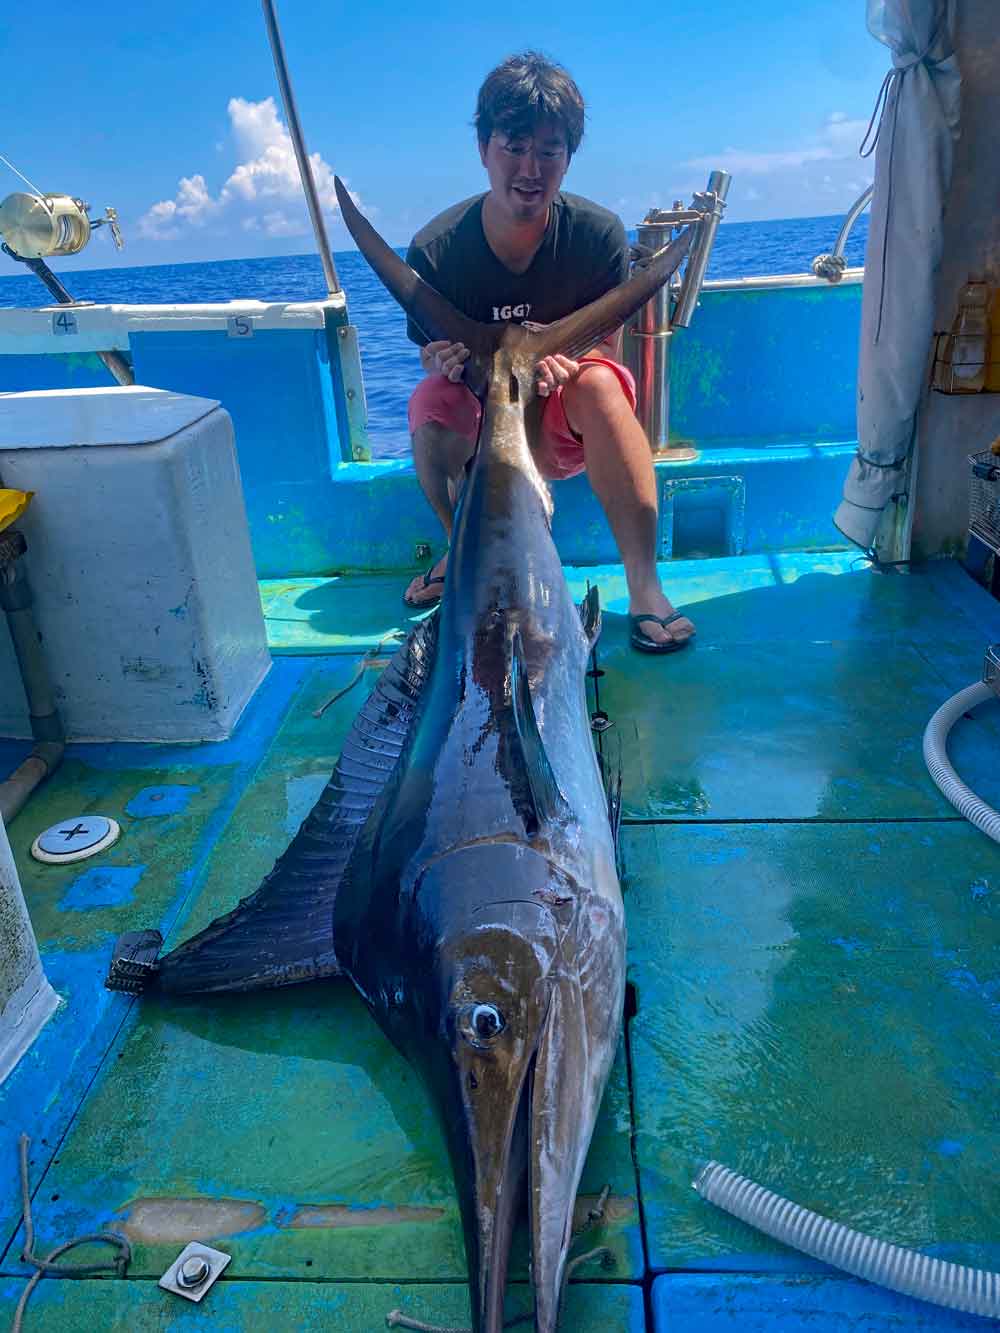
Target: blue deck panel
[(58, 370), (779, 363), (734, 1303), (307, 1307), (816, 1008)]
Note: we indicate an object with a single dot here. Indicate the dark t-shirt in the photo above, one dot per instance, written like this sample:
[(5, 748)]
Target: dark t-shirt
[(583, 254)]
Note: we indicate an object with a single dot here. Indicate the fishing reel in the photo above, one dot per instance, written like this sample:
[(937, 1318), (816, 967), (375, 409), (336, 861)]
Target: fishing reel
[(36, 227), (40, 226)]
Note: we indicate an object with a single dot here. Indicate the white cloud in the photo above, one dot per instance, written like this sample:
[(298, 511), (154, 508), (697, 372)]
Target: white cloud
[(838, 139), (263, 193), (822, 174)]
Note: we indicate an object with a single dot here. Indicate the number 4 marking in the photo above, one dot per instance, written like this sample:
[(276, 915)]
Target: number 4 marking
[(64, 323)]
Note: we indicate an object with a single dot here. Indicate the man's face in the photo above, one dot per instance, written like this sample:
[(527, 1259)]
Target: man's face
[(526, 171)]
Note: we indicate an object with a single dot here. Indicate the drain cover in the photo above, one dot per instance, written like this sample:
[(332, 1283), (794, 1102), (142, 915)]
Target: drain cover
[(75, 839)]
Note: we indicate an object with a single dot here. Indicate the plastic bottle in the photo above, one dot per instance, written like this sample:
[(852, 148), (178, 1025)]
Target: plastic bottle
[(993, 369), (963, 364)]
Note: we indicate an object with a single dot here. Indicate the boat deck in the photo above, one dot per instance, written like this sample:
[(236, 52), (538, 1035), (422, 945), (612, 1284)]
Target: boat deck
[(814, 1000)]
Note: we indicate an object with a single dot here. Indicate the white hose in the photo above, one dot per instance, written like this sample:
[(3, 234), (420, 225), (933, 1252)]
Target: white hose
[(963, 798), (953, 1285)]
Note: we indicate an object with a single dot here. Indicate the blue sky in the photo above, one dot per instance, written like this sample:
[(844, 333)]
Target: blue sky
[(165, 112)]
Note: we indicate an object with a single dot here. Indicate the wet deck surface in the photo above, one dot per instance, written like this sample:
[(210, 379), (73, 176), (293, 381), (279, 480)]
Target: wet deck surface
[(814, 957)]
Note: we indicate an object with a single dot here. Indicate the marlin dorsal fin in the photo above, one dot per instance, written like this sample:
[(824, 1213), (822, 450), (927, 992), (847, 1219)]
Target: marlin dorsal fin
[(283, 933), (427, 308), (549, 804)]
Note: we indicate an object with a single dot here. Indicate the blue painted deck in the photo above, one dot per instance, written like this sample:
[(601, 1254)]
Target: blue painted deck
[(814, 956)]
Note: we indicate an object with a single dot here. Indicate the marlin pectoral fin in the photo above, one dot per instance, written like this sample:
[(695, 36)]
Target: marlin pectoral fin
[(578, 333), (547, 802), (435, 315), (590, 615), (283, 933)]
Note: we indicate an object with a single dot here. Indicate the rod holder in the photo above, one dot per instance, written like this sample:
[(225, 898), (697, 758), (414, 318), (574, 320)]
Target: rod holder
[(648, 335), (711, 204)]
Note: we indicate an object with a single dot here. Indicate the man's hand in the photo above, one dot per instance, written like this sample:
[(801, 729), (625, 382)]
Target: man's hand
[(554, 371), (444, 358)]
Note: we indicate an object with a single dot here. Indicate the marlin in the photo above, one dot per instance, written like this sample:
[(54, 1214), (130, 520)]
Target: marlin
[(460, 866)]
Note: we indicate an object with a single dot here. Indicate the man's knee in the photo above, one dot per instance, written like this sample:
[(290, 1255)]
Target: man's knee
[(597, 394), (597, 387)]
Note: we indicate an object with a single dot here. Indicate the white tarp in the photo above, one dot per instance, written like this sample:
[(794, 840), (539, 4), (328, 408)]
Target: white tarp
[(912, 172)]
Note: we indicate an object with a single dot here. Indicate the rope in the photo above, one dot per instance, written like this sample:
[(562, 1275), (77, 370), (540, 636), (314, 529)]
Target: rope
[(872, 558), (118, 1265), (370, 659), (878, 111), (396, 1318)]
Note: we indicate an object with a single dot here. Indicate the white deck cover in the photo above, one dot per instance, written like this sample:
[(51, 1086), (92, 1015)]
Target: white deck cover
[(139, 561), (26, 998), (913, 164)]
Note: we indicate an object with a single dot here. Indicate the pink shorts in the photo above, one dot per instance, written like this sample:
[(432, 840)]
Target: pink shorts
[(559, 452)]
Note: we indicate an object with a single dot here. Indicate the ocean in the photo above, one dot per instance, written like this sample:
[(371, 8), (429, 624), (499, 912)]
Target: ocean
[(389, 360)]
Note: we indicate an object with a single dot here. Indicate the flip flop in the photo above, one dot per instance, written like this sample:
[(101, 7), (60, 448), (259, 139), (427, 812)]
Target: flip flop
[(645, 644), (429, 581)]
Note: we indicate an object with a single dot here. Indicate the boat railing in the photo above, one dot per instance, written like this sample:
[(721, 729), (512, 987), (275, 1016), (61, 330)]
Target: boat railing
[(833, 265)]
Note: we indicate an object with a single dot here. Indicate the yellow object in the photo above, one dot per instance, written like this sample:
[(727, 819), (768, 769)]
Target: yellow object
[(995, 447), (12, 506), (993, 369)]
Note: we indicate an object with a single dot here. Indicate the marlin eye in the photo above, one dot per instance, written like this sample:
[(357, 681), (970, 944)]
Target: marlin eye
[(483, 1023)]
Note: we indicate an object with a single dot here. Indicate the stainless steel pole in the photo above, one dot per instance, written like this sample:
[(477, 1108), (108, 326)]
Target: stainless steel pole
[(649, 337), (647, 340), (857, 208), (712, 201), (298, 143)]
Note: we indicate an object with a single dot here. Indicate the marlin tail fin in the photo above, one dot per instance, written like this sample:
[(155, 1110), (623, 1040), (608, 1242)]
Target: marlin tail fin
[(573, 336), (578, 333), (429, 309)]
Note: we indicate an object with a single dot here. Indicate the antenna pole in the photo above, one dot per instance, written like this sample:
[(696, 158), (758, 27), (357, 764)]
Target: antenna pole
[(298, 143)]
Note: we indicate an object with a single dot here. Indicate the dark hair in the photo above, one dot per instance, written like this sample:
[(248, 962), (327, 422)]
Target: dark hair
[(523, 90)]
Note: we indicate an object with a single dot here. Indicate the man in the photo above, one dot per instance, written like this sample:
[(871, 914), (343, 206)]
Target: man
[(524, 251)]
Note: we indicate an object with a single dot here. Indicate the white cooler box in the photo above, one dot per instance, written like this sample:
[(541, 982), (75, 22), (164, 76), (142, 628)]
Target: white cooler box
[(139, 561)]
